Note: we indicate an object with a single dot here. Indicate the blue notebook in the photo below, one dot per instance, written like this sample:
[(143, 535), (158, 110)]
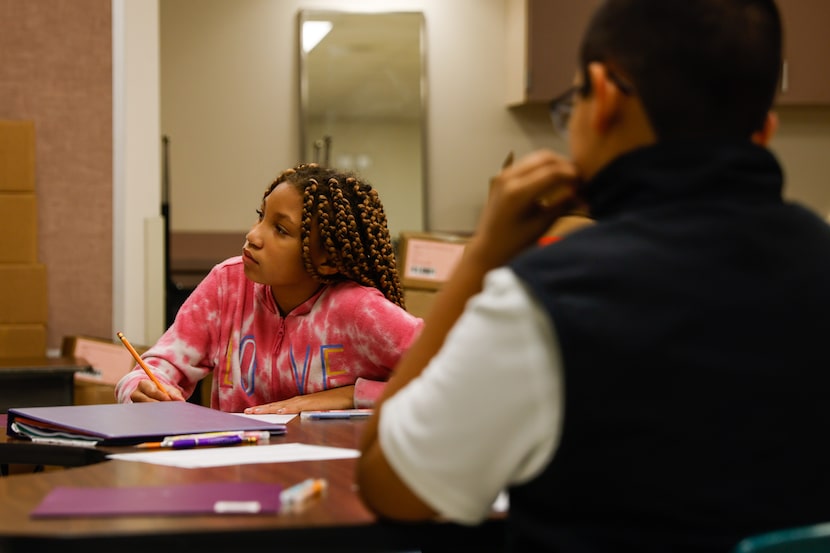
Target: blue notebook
[(126, 423)]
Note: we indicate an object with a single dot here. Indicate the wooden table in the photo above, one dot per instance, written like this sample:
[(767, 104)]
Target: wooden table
[(336, 522)]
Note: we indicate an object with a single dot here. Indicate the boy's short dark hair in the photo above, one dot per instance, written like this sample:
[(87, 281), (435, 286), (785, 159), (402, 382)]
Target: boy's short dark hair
[(702, 68)]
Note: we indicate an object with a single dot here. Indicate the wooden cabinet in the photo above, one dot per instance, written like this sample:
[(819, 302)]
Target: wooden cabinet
[(805, 79), (543, 39)]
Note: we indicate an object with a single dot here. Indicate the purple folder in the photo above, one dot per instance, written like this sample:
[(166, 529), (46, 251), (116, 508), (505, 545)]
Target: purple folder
[(133, 423), (180, 499)]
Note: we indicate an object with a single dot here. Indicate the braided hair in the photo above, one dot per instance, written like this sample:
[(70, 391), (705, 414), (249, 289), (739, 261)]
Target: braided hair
[(352, 225)]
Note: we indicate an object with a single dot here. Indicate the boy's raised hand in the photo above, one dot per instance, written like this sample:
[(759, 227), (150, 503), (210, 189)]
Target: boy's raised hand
[(525, 199)]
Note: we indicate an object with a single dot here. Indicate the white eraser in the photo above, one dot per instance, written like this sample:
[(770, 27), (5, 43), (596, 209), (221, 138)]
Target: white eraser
[(236, 507)]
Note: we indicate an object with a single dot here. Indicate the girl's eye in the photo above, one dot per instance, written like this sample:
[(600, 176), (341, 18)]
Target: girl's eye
[(281, 230), (259, 214)]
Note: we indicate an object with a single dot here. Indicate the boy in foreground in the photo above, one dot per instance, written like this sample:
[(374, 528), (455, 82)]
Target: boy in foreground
[(653, 382)]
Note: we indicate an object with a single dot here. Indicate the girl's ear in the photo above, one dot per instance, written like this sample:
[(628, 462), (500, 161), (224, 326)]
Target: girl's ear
[(320, 257), (326, 267)]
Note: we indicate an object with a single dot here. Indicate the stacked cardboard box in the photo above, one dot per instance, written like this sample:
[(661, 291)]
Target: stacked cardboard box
[(425, 261), (23, 301)]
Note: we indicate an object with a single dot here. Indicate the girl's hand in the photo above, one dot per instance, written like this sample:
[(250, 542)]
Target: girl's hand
[(147, 391), (336, 398)]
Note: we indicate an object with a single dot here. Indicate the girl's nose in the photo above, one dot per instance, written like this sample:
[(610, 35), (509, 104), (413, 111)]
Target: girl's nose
[(251, 237)]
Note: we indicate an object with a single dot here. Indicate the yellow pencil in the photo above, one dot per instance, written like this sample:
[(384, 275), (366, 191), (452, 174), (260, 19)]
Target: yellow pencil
[(141, 362)]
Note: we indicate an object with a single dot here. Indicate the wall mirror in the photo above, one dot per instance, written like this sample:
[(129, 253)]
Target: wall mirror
[(363, 105)]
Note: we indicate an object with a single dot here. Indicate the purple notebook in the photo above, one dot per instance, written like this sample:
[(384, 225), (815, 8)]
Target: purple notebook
[(182, 499), (133, 423)]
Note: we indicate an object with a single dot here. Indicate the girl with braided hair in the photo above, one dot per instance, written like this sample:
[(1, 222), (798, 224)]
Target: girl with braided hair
[(310, 316)]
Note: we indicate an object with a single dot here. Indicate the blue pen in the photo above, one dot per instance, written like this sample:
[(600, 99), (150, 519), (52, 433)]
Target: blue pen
[(336, 414)]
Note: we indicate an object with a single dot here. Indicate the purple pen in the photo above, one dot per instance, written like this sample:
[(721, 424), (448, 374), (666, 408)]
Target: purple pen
[(196, 441)]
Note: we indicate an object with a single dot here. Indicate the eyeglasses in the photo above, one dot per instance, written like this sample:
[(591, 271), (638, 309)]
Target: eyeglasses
[(561, 107)]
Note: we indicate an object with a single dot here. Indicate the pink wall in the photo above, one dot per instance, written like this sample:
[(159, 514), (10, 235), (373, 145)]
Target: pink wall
[(56, 70)]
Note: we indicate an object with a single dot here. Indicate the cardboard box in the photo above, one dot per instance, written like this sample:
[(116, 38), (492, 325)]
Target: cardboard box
[(22, 340), (426, 260), (418, 302), (23, 294), (18, 227), (109, 359), (93, 393), (17, 156)]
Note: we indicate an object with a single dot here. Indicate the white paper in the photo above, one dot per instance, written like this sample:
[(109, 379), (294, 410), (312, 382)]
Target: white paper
[(238, 455), (271, 418)]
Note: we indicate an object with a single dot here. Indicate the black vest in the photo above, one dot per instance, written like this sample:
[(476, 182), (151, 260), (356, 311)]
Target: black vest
[(694, 323)]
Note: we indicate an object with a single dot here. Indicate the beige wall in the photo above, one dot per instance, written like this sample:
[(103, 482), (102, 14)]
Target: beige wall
[(803, 147), (239, 124), (138, 229), (231, 113)]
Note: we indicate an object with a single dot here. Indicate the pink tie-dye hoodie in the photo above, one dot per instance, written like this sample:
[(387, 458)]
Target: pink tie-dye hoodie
[(345, 334)]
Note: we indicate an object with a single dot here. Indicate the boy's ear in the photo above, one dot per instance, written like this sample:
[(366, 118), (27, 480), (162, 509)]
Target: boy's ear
[(606, 97), (763, 136)]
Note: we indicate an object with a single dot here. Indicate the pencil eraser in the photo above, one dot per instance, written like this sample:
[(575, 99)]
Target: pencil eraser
[(236, 507)]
